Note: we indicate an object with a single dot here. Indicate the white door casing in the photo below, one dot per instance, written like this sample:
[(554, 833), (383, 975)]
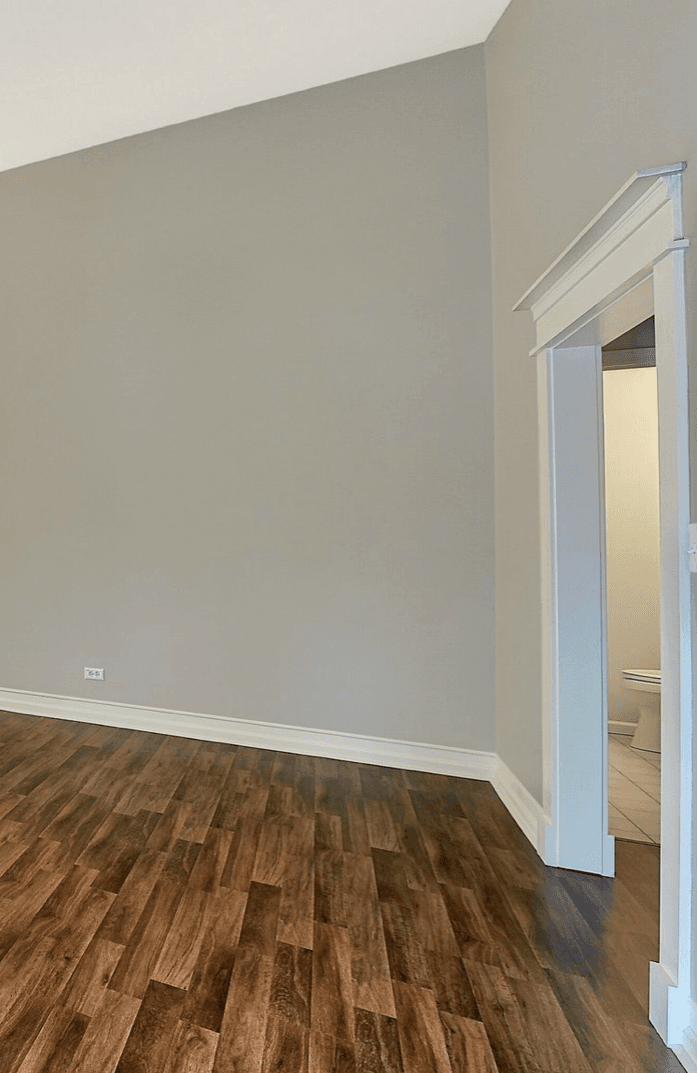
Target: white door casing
[(573, 578), (627, 264)]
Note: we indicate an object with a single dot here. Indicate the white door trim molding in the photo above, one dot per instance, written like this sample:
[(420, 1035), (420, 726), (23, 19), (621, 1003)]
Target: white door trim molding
[(617, 249), (573, 606), (628, 262)]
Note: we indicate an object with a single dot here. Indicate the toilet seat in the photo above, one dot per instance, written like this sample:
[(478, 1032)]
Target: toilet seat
[(650, 677)]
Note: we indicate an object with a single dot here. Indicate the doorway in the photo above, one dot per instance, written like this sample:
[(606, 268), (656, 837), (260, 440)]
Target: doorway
[(625, 266), (632, 579)]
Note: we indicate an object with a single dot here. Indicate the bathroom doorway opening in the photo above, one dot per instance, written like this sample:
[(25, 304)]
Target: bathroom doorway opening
[(632, 583), (625, 266)]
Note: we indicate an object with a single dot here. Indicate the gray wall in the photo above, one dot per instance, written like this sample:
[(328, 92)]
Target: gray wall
[(246, 412), (580, 95)]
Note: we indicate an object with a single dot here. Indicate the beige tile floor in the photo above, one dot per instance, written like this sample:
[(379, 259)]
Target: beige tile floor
[(635, 792)]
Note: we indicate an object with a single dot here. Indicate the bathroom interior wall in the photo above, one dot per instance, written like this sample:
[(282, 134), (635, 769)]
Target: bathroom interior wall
[(632, 534)]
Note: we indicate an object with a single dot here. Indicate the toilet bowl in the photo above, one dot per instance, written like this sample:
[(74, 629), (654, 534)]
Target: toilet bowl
[(647, 735)]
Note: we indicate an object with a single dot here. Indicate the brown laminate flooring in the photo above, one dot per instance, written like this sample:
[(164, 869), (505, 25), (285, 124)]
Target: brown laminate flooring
[(177, 906)]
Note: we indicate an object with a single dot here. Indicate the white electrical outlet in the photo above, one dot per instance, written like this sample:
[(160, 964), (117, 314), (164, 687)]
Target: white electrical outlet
[(95, 674)]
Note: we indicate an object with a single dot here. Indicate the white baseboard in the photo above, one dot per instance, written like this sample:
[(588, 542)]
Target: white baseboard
[(687, 1057), (673, 1015), (525, 810), (616, 726), (362, 749), (686, 1034), (660, 985)]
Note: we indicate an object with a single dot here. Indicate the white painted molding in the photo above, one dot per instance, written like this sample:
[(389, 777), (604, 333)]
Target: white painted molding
[(661, 984), (361, 749), (627, 237), (686, 1049), (612, 216), (617, 726), (687, 1057), (525, 810)]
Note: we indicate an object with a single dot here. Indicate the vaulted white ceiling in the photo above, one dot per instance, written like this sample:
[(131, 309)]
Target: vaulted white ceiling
[(75, 73)]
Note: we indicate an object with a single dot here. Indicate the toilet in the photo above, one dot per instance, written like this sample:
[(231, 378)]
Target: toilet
[(647, 735)]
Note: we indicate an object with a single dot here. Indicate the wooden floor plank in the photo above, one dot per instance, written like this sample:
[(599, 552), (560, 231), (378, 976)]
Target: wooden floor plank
[(179, 954), (56, 1044), (120, 921), (63, 941), (421, 1034), (332, 990), (286, 1046), (370, 969), (503, 1020), (291, 984), (149, 1041), (380, 824), (467, 1045), (377, 1043), (210, 982), (208, 869), (192, 1049), (103, 1042), (239, 866), (178, 906), (330, 1055), (243, 1030), (169, 826), (142, 951), (84, 990)]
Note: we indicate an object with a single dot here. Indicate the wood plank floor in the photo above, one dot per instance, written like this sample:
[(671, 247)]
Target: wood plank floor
[(176, 906)]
